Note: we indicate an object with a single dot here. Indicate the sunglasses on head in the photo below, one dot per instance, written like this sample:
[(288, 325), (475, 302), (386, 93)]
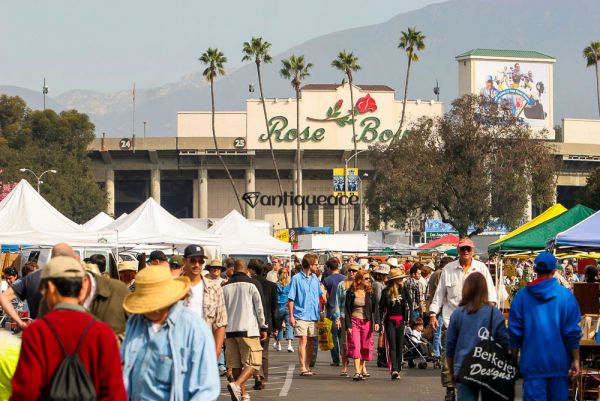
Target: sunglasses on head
[(465, 249)]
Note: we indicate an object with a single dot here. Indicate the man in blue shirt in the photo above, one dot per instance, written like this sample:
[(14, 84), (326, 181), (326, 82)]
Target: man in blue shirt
[(331, 283), (168, 352), (303, 305), (545, 310)]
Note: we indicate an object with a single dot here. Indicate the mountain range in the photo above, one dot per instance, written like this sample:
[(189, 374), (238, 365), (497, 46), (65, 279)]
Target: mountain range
[(555, 27)]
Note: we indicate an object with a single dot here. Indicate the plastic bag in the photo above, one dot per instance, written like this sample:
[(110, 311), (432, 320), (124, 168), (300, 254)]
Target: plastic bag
[(325, 337)]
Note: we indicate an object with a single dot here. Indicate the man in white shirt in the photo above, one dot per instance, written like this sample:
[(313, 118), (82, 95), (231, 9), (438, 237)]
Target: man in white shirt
[(272, 275), (449, 293), (206, 296)]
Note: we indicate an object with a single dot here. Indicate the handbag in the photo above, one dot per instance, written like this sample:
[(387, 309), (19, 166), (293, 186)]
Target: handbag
[(325, 336), (490, 368)]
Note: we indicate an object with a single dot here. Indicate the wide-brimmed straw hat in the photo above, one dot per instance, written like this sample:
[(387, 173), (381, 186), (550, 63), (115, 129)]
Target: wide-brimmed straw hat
[(396, 273), (155, 289)]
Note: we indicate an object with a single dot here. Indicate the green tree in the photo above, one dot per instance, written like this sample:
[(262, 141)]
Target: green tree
[(296, 69), (410, 41), (592, 55), (590, 194), (472, 166), (348, 63), (43, 140), (215, 60), (258, 50)]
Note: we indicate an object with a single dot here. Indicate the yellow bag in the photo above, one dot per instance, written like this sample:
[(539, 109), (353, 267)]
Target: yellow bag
[(325, 337), (10, 347)]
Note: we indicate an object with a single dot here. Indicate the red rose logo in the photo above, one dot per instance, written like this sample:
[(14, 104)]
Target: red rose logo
[(365, 104), (339, 103)]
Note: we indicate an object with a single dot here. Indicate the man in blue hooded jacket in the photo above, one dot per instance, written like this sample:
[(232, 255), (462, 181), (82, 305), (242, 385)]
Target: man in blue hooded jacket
[(541, 312)]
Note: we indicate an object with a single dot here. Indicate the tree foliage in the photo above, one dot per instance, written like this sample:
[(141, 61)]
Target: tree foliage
[(42, 140), (590, 194), (474, 165)]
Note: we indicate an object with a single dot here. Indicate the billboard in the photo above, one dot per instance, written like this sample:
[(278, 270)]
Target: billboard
[(520, 87)]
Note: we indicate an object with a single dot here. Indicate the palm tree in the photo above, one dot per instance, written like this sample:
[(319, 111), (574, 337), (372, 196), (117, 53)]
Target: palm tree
[(296, 69), (410, 41), (592, 54), (258, 50), (214, 61), (348, 63)]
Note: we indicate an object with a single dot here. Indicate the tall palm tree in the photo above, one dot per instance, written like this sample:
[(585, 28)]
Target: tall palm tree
[(258, 50), (410, 41), (214, 61), (348, 63), (592, 54), (296, 69)]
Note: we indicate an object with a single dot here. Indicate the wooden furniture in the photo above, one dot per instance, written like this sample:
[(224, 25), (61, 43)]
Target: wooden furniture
[(588, 297)]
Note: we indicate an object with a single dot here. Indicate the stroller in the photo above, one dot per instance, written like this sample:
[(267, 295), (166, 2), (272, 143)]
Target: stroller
[(418, 351)]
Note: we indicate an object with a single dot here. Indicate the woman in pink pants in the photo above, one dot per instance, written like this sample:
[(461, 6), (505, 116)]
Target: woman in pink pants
[(361, 307)]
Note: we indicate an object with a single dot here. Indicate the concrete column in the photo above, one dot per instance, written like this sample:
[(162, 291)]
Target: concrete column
[(203, 193), (155, 184), (250, 187), (195, 198), (110, 191), (321, 216)]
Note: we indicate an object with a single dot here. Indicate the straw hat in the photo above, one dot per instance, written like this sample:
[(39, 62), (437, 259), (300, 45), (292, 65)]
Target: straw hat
[(396, 273), (214, 263), (155, 289), (131, 265)]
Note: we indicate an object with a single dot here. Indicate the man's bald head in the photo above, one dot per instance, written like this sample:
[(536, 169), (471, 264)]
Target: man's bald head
[(63, 249), (240, 266)]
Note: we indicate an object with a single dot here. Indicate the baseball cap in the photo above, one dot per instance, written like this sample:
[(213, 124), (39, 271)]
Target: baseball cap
[(63, 267), (193, 250), (545, 262), (158, 255), (175, 262), (466, 241), (354, 267), (127, 265)]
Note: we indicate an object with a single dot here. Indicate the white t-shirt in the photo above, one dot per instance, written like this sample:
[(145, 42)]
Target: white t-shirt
[(195, 300)]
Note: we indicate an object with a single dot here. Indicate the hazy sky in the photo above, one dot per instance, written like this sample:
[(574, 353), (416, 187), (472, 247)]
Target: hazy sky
[(106, 45)]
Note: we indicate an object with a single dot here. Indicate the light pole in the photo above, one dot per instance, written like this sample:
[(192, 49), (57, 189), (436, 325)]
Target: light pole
[(44, 92), (362, 214), (38, 177), (347, 218)]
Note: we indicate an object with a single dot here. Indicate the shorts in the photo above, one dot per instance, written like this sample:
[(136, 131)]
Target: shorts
[(243, 352), (305, 328)]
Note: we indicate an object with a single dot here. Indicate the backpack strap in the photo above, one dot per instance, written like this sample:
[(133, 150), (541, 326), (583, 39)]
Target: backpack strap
[(79, 343)]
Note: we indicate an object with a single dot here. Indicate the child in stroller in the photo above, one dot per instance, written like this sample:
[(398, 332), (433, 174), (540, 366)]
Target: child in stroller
[(417, 347)]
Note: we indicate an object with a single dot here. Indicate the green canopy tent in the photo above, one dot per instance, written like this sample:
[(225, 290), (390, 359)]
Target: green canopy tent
[(536, 237)]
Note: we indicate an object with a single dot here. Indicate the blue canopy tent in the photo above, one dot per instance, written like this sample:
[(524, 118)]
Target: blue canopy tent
[(582, 236)]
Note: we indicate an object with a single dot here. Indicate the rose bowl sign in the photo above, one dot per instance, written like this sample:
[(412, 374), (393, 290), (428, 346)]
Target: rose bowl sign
[(368, 126)]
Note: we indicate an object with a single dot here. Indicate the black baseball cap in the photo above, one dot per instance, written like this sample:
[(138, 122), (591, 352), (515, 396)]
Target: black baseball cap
[(193, 250), (158, 255)]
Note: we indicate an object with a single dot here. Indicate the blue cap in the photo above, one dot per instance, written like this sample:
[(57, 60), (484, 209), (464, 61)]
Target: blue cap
[(545, 262)]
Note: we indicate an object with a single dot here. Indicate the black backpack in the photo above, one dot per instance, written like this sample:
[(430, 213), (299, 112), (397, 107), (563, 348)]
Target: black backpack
[(71, 381)]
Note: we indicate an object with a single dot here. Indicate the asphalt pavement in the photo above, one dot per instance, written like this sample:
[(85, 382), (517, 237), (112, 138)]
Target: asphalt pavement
[(285, 382)]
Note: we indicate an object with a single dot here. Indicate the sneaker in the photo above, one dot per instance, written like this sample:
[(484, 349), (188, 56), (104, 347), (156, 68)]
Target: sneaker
[(276, 346), (290, 348), (235, 391), (222, 370)]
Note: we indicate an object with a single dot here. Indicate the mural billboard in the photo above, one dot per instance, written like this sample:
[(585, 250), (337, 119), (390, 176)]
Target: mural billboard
[(521, 87)]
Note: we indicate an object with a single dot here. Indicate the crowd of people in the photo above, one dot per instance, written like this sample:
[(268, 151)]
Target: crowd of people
[(171, 326)]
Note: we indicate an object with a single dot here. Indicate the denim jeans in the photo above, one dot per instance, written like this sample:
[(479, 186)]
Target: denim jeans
[(466, 392), (284, 314), (437, 339), (337, 338)]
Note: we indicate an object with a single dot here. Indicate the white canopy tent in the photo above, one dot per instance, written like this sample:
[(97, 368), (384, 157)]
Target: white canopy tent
[(241, 237), (26, 218), (98, 222), (151, 224)]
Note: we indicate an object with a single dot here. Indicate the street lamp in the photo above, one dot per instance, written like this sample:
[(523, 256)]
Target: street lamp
[(38, 177), (362, 214), (347, 218), (45, 92)]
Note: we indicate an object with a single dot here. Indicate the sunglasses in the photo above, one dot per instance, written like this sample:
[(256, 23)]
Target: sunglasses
[(465, 249), (200, 261), (174, 266)]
